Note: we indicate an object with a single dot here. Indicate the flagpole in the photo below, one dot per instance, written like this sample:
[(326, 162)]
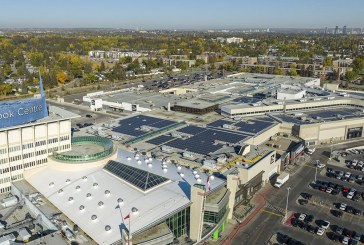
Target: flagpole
[(129, 230)]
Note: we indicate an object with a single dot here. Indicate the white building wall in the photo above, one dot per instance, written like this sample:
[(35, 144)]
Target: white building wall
[(28, 147)]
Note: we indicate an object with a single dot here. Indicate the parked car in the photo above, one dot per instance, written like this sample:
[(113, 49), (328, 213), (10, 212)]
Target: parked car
[(320, 231), (343, 206), (325, 224), (337, 213)]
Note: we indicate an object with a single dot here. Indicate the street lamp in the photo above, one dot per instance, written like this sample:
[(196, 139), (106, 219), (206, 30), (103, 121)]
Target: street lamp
[(286, 211), (317, 162)]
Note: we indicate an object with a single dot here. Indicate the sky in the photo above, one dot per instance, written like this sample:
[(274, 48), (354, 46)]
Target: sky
[(181, 14)]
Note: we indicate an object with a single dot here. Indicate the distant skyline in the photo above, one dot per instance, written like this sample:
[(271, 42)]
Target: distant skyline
[(186, 14)]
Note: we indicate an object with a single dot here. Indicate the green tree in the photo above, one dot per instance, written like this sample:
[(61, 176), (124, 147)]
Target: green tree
[(88, 68), (5, 89), (102, 66), (90, 78), (350, 76), (278, 71)]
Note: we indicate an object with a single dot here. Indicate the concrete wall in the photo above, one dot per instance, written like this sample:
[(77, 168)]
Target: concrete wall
[(246, 174), (325, 132)]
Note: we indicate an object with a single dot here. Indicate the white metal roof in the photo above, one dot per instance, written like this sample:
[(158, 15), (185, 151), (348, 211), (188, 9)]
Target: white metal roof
[(69, 189)]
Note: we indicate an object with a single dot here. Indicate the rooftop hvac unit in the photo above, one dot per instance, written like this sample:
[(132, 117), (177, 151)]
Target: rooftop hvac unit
[(228, 126)]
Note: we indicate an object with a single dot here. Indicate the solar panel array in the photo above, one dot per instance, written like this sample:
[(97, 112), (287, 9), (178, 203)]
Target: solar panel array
[(160, 140), (129, 125), (326, 115), (139, 178), (219, 123), (247, 100), (203, 139), (254, 126)]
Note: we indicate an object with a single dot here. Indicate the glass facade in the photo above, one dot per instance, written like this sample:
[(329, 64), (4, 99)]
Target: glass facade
[(179, 222), (107, 144), (212, 217)]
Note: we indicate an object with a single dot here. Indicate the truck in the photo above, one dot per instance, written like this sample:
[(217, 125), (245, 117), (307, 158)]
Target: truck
[(281, 179)]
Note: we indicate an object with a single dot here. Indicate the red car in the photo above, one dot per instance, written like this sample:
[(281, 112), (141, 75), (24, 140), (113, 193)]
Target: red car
[(345, 190)]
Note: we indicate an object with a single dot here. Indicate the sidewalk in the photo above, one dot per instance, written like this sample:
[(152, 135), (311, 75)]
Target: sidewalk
[(259, 202)]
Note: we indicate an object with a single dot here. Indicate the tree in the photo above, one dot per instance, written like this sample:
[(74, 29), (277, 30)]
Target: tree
[(350, 76), (292, 73), (328, 61), (102, 66), (278, 71), (90, 78), (62, 77), (200, 62), (88, 68), (5, 89)]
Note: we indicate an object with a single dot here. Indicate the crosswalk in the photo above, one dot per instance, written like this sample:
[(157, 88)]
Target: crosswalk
[(275, 208)]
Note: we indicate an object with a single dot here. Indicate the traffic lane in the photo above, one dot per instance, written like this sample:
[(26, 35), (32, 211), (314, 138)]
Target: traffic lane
[(259, 230), (82, 112), (276, 200)]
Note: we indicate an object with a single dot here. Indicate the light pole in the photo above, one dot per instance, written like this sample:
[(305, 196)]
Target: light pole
[(285, 213), (317, 162)]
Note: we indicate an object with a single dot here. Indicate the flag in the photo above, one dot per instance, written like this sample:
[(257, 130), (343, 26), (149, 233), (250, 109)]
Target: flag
[(127, 217), (208, 183)]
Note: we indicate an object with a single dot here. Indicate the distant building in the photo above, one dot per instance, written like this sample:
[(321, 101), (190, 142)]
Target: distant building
[(345, 32), (336, 30), (230, 40)]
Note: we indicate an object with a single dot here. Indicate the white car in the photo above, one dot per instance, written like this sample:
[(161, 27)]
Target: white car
[(343, 206), (320, 165), (350, 195), (325, 224), (345, 240), (347, 174), (302, 217), (329, 190), (320, 231), (360, 164)]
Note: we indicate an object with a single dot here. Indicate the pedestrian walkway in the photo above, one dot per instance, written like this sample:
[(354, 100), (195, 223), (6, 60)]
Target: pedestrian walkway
[(259, 202)]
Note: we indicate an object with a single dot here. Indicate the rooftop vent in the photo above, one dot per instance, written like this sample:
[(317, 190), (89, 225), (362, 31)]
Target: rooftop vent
[(94, 217), (84, 178), (51, 184), (182, 175), (81, 207), (68, 180), (78, 187), (107, 228), (95, 185), (120, 200), (107, 192), (134, 210), (128, 158), (101, 203), (70, 199), (88, 195), (60, 191)]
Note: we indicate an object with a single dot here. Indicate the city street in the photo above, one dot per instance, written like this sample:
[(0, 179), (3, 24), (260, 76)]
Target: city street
[(269, 221)]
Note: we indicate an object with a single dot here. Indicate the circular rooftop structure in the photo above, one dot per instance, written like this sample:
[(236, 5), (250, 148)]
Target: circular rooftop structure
[(86, 148)]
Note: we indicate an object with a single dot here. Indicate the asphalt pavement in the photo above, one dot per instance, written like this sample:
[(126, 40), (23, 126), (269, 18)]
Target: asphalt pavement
[(270, 220)]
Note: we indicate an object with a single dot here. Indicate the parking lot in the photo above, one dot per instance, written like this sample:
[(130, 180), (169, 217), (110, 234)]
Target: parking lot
[(327, 196)]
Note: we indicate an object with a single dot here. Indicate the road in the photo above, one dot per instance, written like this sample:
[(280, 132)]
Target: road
[(269, 221), (97, 117)]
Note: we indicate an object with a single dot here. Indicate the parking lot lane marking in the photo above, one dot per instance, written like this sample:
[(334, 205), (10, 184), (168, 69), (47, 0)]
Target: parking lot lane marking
[(272, 213)]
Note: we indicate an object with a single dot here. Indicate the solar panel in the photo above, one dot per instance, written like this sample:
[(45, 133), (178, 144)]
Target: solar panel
[(246, 100), (219, 123), (203, 139), (160, 140), (139, 178), (129, 126), (254, 126)]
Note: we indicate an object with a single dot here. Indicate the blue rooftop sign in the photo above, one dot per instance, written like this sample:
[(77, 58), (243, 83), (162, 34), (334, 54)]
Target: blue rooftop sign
[(16, 112)]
